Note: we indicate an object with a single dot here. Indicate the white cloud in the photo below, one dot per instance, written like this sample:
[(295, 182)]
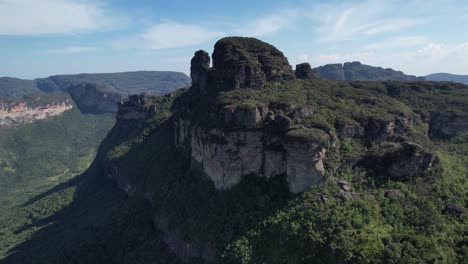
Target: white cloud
[(396, 43), (175, 35), (270, 24), (71, 50), (33, 17), (391, 25)]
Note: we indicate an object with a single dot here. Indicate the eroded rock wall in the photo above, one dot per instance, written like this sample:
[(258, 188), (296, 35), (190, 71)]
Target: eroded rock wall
[(227, 156), (18, 113)]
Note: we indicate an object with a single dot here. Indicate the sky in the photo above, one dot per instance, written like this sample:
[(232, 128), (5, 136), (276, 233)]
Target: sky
[(39, 38)]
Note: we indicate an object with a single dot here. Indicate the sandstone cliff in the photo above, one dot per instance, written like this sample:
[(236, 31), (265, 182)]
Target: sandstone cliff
[(28, 110)]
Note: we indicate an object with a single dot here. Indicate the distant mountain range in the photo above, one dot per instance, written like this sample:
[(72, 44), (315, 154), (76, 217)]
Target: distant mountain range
[(447, 77), (123, 83), (356, 71)]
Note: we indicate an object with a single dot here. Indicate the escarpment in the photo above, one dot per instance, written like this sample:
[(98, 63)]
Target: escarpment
[(30, 109), (250, 133), (234, 137), (93, 98)]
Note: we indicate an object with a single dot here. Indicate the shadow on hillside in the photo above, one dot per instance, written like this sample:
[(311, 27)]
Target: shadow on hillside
[(101, 225)]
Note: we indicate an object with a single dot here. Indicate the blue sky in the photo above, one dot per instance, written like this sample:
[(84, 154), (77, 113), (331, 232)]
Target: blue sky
[(39, 38)]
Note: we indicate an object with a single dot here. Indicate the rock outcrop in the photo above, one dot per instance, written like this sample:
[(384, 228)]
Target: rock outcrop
[(226, 156), (93, 98), (304, 71), (399, 161), (199, 68), (448, 125), (20, 112), (251, 138), (240, 63)]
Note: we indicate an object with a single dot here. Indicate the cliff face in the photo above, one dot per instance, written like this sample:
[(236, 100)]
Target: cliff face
[(93, 98), (239, 63), (265, 139), (227, 156), (22, 112)]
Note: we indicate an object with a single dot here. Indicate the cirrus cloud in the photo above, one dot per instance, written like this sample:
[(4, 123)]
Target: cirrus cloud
[(175, 35)]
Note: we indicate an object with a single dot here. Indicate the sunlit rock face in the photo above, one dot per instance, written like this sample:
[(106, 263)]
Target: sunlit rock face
[(18, 113), (227, 156)]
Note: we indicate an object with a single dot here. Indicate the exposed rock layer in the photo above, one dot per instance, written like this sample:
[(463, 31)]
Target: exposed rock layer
[(20, 112)]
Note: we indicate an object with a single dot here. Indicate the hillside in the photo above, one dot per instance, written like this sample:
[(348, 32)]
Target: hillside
[(447, 77), (124, 83), (46, 141), (356, 71), (257, 164), (37, 156), (252, 165), (16, 88)]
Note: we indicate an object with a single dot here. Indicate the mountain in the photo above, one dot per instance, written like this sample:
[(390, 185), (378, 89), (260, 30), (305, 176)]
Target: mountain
[(123, 83), (48, 138), (16, 88), (257, 163), (355, 71), (447, 77)]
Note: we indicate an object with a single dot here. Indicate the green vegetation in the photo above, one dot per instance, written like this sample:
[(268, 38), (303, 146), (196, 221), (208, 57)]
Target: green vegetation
[(379, 220), (370, 227), (258, 221), (35, 157), (124, 83), (16, 88), (81, 221), (353, 71)]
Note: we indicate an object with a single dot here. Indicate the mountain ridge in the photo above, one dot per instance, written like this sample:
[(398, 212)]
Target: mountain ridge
[(124, 83)]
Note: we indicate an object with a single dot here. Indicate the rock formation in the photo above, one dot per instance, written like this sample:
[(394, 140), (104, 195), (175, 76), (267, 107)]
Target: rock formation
[(92, 98), (267, 140), (199, 67), (240, 63), (26, 111), (304, 71)]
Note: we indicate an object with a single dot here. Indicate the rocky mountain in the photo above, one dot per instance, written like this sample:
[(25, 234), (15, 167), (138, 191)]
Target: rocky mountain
[(123, 83), (257, 163), (248, 127), (356, 71), (447, 77)]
